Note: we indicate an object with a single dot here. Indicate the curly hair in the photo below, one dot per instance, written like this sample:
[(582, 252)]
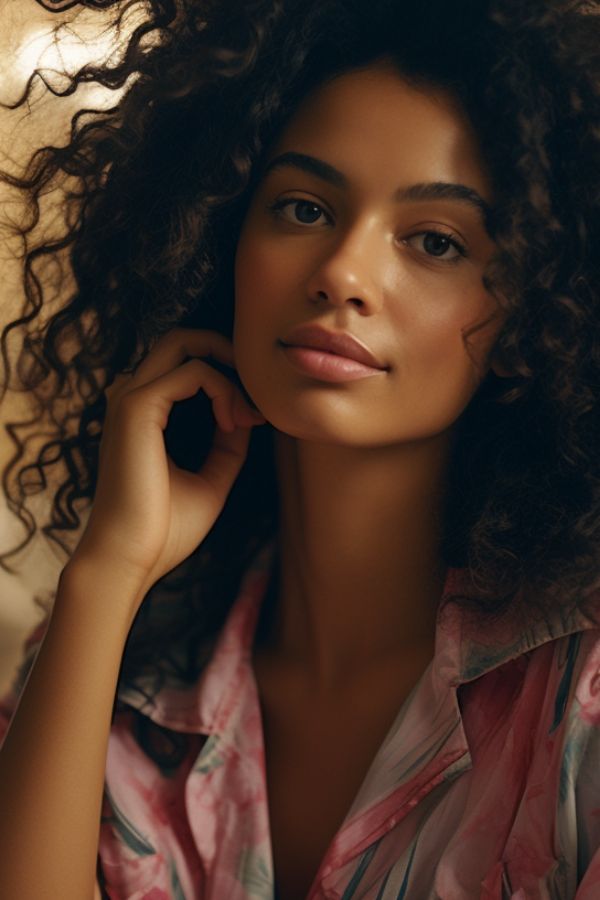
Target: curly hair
[(158, 188)]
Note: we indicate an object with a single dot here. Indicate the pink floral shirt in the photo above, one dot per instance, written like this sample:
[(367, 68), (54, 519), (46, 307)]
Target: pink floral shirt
[(486, 786)]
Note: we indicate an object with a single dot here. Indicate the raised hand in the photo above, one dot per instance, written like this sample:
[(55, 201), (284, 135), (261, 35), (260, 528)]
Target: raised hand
[(148, 515)]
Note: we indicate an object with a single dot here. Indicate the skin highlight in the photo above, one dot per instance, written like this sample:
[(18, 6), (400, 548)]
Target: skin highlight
[(361, 464), (317, 682)]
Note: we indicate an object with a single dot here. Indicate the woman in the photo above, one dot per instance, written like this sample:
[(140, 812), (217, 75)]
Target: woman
[(375, 674)]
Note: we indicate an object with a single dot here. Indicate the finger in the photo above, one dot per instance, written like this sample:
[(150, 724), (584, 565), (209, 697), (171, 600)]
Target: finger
[(157, 397), (180, 343), (172, 348), (223, 463), (117, 386), (243, 414)]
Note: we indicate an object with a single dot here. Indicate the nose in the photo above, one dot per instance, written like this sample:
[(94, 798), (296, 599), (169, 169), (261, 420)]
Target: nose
[(350, 270)]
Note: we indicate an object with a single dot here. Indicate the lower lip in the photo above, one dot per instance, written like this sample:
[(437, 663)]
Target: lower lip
[(327, 366)]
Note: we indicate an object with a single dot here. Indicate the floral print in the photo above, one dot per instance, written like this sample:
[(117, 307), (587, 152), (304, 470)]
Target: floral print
[(486, 787)]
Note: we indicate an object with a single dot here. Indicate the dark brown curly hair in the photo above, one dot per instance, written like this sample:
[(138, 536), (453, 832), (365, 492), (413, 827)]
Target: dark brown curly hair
[(158, 188)]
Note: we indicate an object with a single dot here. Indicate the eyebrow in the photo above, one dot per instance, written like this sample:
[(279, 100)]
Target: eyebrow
[(425, 190)]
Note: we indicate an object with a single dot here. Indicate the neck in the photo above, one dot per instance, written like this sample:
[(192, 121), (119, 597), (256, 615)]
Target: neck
[(360, 573)]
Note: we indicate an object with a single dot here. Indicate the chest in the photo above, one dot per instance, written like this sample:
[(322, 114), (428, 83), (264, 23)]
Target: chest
[(311, 785), (317, 756)]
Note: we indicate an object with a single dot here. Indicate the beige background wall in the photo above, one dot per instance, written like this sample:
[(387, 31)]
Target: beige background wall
[(26, 42)]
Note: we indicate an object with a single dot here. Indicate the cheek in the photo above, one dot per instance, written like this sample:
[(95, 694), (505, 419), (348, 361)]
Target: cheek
[(248, 281), (257, 314), (441, 357), (268, 283), (258, 282), (431, 333)]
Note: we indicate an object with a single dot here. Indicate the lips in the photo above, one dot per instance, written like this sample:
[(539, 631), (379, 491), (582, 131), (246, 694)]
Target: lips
[(338, 342)]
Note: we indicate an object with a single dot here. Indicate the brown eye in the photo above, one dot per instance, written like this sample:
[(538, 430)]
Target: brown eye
[(298, 211), (437, 243)]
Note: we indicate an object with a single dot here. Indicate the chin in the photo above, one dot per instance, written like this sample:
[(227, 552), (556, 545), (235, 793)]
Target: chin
[(311, 431)]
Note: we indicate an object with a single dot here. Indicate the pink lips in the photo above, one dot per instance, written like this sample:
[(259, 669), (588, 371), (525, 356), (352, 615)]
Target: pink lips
[(329, 355)]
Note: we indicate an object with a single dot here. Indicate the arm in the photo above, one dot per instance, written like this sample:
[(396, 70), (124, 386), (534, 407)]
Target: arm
[(53, 760), (147, 516)]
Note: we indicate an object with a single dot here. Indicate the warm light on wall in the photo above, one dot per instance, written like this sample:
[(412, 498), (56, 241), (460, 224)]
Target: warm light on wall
[(64, 51), (59, 5), (58, 49)]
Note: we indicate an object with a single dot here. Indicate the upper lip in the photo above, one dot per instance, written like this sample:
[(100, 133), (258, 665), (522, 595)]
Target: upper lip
[(339, 342)]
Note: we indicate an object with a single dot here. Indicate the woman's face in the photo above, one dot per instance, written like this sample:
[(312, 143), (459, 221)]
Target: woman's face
[(338, 235)]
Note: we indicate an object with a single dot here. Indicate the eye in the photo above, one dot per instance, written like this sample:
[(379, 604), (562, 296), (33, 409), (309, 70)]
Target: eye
[(298, 211), (437, 243)]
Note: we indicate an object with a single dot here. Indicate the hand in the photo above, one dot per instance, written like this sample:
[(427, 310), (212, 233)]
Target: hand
[(148, 515)]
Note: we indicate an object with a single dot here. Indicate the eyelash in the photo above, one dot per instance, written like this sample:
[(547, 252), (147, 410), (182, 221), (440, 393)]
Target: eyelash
[(279, 205)]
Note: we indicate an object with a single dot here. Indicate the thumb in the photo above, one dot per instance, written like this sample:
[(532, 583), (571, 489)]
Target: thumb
[(225, 459)]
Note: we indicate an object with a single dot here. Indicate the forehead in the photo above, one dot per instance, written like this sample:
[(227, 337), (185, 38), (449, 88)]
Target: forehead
[(371, 121)]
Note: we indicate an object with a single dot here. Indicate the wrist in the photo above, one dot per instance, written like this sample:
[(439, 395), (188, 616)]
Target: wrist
[(101, 589)]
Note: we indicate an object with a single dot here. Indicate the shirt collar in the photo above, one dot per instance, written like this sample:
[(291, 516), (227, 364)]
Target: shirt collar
[(467, 645), (471, 643), (204, 706)]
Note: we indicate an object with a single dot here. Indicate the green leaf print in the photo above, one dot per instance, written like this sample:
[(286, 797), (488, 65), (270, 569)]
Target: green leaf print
[(175, 882), (126, 830), (209, 757), (254, 873)]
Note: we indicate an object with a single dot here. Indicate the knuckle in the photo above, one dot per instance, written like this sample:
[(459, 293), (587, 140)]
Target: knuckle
[(176, 335), (159, 345), (128, 400), (172, 338), (196, 365), (116, 386)]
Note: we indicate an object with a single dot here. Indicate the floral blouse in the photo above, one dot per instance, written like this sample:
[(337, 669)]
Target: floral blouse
[(486, 786)]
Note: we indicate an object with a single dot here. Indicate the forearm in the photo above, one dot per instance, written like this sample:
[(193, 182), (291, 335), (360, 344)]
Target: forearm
[(148, 515), (53, 760)]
